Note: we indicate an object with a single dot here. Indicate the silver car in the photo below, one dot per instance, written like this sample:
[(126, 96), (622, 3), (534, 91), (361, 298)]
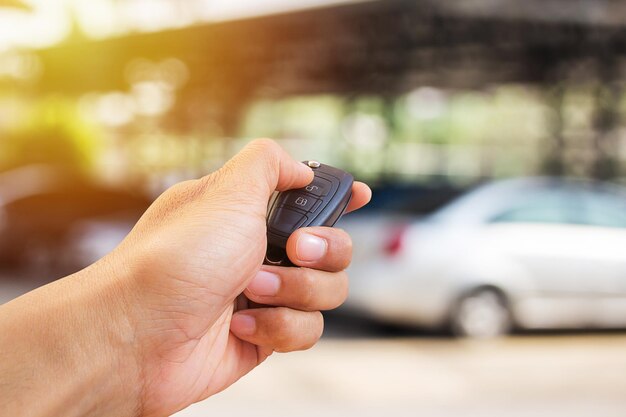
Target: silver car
[(536, 253)]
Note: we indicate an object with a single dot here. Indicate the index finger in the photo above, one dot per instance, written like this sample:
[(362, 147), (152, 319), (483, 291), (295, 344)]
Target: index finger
[(361, 195)]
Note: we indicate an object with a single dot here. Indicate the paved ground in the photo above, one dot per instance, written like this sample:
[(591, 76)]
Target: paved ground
[(362, 372), (520, 376)]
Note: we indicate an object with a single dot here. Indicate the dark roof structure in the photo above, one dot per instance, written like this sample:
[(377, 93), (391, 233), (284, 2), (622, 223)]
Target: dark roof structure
[(383, 47)]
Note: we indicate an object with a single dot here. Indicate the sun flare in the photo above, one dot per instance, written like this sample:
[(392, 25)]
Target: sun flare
[(50, 21)]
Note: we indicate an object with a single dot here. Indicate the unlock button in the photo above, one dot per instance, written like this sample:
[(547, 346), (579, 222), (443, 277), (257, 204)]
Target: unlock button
[(319, 187), (301, 201)]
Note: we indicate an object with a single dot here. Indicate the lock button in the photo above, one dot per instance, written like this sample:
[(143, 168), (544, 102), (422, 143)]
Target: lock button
[(301, 202)]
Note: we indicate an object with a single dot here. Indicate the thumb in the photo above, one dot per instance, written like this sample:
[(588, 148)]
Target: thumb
[(266, 167)]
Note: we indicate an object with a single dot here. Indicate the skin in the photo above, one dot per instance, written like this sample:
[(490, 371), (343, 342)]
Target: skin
[(161, 322)]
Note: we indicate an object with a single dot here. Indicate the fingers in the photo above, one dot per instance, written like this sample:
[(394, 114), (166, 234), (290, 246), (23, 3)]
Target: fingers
[(324, 248), (279, 328), (263, 166), (361, 195), (299, 292), (300, 288)]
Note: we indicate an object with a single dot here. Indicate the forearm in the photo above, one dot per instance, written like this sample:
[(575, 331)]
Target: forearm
[(65, 351)]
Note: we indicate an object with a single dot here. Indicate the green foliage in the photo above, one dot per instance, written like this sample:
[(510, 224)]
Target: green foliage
[(316, 117)]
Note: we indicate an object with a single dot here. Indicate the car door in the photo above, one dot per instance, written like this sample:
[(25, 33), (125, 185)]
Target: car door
[(540, 233), (604, 222)]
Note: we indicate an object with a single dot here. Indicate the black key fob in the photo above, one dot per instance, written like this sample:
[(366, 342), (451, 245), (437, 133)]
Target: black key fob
[(321, 203)]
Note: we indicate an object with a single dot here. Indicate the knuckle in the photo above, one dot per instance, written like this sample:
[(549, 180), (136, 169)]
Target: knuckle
[(284, 332), (171, 201), (228, 172), (290, 337), (265, 145), (306, 286), (270, 155), (179, 191), (341, 250), (233, 179), (266, 149), (202, 185), (281, 321), (265, 154)]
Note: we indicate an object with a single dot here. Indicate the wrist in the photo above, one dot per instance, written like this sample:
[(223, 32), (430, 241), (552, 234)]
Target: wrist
[(71, 350), (107, 324)]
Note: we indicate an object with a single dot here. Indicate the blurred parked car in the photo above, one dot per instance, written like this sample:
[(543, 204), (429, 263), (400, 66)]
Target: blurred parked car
[(530, 253), (53, 219)]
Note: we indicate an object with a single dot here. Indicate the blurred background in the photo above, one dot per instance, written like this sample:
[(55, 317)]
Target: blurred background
[(489, 275)]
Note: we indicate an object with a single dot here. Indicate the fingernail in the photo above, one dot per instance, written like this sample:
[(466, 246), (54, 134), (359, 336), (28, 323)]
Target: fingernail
[(243, 324), (264, 284), (310, 248)]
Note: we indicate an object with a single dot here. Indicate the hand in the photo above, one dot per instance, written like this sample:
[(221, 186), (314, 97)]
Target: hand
[(202, 244), (152, 327)]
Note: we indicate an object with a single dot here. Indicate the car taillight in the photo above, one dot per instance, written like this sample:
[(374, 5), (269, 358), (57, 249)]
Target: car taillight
[(396, 240)]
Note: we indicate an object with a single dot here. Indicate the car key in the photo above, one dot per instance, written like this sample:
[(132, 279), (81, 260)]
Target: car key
[(321, 203)]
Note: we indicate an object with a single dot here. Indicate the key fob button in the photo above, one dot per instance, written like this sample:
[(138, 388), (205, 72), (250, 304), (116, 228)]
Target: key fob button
[(320, 187), (301, 201), (286, 220)]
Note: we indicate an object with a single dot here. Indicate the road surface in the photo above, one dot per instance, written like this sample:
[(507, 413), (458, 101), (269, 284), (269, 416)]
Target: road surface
[(529, 375)]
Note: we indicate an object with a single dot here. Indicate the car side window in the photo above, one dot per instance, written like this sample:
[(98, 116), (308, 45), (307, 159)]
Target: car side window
[(603, 209), (546, 207)]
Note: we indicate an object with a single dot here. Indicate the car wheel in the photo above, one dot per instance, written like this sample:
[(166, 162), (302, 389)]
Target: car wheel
[(481, 314)]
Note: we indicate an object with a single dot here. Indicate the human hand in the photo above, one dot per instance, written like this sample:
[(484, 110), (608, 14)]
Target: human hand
[(201, 245)]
